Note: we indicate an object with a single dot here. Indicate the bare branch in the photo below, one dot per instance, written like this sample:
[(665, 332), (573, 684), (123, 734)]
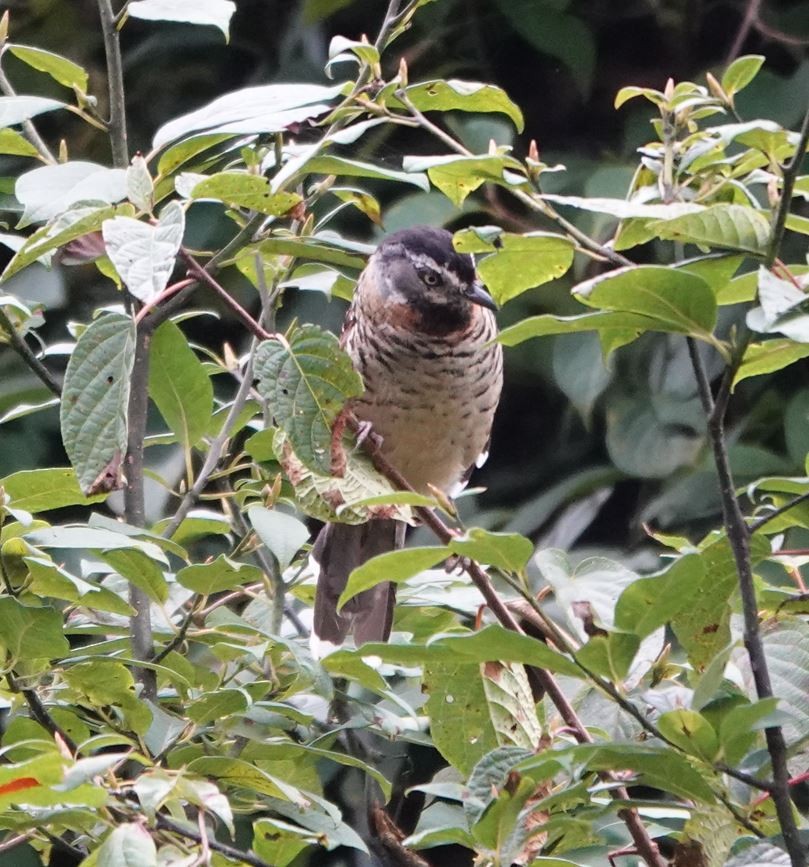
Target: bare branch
[(115, 78), (739, 539), (18, 344)]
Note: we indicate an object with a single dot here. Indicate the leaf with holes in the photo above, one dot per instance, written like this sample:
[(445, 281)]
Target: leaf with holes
[(455, 95), (306, 380), (95, 397), (144, 255)]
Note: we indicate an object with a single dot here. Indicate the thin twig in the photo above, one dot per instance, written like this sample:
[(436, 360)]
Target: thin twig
[(40, 713), (215, 449), (28, 128), (115, 78), (646, 847), (531, 200), (196, 270), (750, 17), (179, 638), (12, 842), (776, 513), (790, 172), (230, 852), (25, 352), (739, 540)]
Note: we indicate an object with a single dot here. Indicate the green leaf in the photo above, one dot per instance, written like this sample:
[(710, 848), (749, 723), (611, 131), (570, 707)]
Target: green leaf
[(48, 579), (741, 72), (395, 566), (95, 400), (144, 255), (139, 569), (242, 190), (179, 385), (740, 728), (653, 601), (331, 165), (490, 643), (129, 845), (732, 227), (16, 109), (139, 184), (547, 324), (306, 381), (264, 109), (284, 535), (460, 725), (31, 633), (46, 489), (342, 49), (49, 191), (511, 705), (454, 95), (213, 706), (216, 13), (243, 775), (678, 300), (60, 69), (67, 227), (220, 574), (630, 92), (312, 248), (356, 491), (769, 356), (14, 144), (691, 732), (625, 210), (507, 551), (518, 262), (458, 176)]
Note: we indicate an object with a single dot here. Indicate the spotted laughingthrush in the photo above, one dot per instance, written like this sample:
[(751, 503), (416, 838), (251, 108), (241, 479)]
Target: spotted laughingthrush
[(420, 332)]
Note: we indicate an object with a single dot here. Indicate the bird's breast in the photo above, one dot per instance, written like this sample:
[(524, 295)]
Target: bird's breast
[(431, 398)]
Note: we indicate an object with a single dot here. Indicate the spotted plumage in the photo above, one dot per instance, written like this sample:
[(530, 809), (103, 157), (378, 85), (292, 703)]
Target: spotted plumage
[(420, 332)]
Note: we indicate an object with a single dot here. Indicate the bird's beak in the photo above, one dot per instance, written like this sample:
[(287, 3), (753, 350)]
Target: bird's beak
[(478, 294)]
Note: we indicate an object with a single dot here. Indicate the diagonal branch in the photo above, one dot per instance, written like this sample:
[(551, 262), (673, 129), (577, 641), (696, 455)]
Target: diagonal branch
[(25, 352), (646, 847), (29, 130)]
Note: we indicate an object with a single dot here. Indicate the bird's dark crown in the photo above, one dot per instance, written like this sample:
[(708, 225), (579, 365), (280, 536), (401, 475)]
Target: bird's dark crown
[(431, 243)]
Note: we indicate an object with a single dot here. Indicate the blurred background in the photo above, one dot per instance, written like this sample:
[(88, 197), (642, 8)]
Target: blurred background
[(583, 453)]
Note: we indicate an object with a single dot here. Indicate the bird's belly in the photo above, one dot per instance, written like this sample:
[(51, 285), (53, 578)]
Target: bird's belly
[(434, 416)]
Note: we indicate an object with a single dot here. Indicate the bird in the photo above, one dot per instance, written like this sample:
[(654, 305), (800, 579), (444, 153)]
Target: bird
[(421, 333)]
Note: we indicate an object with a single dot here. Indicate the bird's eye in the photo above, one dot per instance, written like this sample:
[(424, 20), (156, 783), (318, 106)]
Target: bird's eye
[(430, 278)]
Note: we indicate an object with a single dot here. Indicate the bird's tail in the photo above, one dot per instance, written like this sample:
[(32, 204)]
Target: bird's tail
[(339, 549)]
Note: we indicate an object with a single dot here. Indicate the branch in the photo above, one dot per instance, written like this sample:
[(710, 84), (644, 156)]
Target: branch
[(532, 200), (40, 713), (776, 513), (197, 271), (790, 172), (646, 847), (750, 18), (230, 852), (134, 503), (214, 450), (115, 77), (739, 539), (25, 352)]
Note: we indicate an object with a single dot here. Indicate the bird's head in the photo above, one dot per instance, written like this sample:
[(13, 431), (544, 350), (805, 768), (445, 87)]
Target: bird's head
[(419, 267)]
